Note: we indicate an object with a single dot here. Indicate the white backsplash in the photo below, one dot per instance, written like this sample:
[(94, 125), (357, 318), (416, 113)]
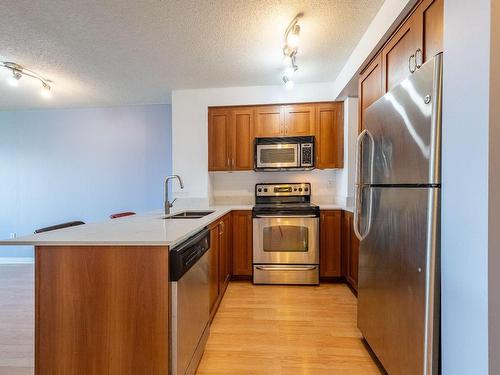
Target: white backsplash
[(239, 187)]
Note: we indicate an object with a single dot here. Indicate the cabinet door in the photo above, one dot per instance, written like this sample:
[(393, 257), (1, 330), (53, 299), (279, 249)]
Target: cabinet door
[(329, 135), (269, 121), (354, 256), (242, 135), (350, 244), (397, 52), (430, 14), (299, 120), (218, 136), (330, 243), (225, 236), (370, 87), (242, 243), (214, 266)]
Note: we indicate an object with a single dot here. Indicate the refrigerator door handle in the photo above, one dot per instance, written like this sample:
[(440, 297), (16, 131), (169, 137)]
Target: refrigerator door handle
[(359, 189)]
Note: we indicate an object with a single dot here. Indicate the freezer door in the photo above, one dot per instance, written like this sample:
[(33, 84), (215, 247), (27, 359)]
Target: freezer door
[(398, 290), (405, 128)]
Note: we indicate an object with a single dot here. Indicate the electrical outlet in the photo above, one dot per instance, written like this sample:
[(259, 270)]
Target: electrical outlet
[(12, 236)]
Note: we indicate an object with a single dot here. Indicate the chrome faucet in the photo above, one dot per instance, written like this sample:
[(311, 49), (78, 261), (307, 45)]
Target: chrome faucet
[(168, 204)]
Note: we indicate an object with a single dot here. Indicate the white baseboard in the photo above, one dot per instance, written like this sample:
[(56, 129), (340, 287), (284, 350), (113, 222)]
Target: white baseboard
[(14, 260)]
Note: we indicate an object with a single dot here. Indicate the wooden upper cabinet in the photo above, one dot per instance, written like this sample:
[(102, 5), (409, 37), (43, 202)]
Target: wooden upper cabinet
[(242, 136), (299, 120), (330, 243), (232, 131), (242, 243), (269, 121), (430, 13), (329, 135), (419, 38), (370, 87), (218, 135), (396, 54)]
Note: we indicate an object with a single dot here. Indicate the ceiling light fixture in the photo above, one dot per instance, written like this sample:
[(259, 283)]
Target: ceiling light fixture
[(290, 49), (19, 71), (289, 84)]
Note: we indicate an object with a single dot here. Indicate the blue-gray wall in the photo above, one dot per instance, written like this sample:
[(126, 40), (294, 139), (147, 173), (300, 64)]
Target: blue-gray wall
[(80, 164)]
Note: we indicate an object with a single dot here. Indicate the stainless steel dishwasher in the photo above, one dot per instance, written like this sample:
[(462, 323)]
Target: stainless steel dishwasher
[(190, 304)]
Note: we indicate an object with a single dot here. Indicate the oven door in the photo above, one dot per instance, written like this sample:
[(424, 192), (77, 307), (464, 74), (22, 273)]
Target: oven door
[(285, 240), (281, 155)]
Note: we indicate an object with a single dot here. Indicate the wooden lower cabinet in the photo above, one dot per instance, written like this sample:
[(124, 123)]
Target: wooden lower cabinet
[(220, 260), (214, 265), (225, 252), (330, 243), (350, 250), (242, 244)]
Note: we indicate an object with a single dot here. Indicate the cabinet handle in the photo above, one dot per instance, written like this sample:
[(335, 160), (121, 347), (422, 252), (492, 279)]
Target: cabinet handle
[(234, 163), (418, 58), (228, 163), (412, 64), (221, 227)]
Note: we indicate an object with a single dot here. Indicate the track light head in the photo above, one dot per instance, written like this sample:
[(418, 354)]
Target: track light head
[(13, 80)]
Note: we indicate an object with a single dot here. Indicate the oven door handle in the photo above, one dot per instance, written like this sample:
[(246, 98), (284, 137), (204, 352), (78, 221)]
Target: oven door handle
[(286, 268), (285, 216)]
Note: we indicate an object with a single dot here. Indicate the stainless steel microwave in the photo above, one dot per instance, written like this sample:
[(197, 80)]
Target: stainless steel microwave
[(284, 153)]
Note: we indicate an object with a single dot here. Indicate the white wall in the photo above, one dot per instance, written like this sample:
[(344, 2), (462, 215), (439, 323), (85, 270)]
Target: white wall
[(190, 130), (465, 199), (346, 176), (80, 164)]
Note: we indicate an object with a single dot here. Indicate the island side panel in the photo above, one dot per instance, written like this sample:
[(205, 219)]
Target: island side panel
[(101, 310)]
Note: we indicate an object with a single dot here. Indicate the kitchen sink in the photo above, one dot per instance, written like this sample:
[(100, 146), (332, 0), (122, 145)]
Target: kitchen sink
[(189, 215)]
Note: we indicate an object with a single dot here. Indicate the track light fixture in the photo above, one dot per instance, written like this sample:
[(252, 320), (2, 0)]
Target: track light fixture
[(19, 71), (290, 50)]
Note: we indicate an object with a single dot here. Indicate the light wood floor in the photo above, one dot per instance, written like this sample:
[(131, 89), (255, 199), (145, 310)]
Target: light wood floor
[(16, 319), (286, 330), (258, 330)]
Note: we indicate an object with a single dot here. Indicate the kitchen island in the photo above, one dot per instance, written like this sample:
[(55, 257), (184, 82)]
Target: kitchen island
[(102, 294)]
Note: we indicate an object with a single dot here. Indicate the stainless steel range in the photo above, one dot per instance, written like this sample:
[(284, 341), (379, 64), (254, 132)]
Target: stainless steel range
[(285, 235)]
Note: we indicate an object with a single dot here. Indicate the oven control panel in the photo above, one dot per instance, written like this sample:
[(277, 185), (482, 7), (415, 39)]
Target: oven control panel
[(283, 190)]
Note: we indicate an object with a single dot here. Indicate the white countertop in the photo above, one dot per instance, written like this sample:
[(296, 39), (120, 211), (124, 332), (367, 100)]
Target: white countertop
[(149, 229)]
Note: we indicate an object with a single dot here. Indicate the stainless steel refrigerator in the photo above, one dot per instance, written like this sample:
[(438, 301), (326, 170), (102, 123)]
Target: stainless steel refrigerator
[(397, 219)]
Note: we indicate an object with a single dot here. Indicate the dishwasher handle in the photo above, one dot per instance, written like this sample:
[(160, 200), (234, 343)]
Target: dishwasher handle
[(185, 255)]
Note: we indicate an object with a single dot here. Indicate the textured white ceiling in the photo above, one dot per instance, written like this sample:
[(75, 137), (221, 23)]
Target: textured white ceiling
[(112, 52)]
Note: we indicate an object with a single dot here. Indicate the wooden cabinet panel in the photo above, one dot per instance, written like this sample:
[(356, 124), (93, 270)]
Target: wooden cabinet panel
[(269, 121), (370, 87), (330, 243), (242, 243), (218, 135), (329, 136), (431, 15), (395, 55), (350, 250), (101, 310), (225, 246), (242, 136), (232, 131), (299, 120), (214, 266)]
